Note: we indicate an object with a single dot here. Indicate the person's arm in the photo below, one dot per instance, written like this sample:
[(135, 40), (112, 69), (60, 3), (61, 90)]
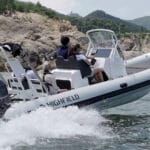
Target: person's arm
[(87, 61), (90, 57), (84, 58)]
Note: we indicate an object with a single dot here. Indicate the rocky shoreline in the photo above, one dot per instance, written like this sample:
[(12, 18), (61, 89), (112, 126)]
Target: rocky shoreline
[(41, 34)]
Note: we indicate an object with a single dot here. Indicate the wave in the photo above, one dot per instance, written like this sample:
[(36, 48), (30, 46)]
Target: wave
[(49, 123)]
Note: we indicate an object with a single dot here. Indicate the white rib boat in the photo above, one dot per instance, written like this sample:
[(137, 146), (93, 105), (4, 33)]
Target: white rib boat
[(125, 80)]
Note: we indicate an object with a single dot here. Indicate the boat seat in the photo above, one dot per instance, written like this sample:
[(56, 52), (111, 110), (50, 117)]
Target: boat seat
[(37, 85), (14, 83), (72, 63), (17, 68)]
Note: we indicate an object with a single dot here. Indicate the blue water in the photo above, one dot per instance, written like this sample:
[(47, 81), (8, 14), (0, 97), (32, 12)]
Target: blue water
[(122, 128)]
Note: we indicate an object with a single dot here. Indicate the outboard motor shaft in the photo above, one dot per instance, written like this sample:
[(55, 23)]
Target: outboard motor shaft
[(4, 98)]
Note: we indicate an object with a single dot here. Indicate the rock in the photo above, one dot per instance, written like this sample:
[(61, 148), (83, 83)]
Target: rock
[(136, 44), (36, 32), (40, 34), (128, 44)]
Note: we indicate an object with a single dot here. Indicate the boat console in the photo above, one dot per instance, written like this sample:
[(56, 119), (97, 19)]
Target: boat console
[(71, 73), (103, 44)]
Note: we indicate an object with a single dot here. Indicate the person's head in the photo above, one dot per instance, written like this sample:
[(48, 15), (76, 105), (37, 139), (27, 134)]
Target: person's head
[(75, 49), (33, 62), (34, 59), (64, 40)]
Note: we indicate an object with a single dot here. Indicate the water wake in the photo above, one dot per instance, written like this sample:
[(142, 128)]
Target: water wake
[(49, 123)]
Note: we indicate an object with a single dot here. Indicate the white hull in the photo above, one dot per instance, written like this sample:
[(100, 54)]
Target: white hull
[(100, 96), (122, 99), (138, 64)]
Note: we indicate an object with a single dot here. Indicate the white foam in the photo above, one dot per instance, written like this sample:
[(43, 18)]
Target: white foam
[(49, 123)]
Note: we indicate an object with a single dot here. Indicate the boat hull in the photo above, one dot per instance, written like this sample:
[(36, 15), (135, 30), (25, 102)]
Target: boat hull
[(101, 96), (121, 99)]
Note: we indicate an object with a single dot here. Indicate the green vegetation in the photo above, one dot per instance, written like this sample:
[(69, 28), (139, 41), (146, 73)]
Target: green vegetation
[(14, 5), (142, 21), (36, 8), (7, 5), (97, 19)]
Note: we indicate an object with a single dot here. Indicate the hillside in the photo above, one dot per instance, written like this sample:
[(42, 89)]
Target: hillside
[(37, 33), (142, 21), (96, 19), (41, 34), (124, 25), (103, 15), (41, 31)]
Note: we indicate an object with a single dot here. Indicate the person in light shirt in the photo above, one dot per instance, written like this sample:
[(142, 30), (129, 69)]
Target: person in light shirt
[(97, 72), (50, 80)]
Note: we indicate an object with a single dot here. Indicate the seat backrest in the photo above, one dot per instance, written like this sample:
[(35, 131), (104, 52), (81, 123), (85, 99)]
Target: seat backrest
[(38, 86), (60, 62), (72, 63), (17, 68), (84, 68)]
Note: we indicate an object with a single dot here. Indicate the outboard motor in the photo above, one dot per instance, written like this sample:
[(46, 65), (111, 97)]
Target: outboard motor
[(13, 48), (4, 98)]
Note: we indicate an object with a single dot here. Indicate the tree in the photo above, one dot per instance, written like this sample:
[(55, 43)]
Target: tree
[(7, 5), (2, 6), (38, 4)]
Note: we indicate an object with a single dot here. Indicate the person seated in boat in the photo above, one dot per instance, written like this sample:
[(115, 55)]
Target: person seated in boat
[(50, 80), (63, 50), (30, 73), (97, 72), (35, 63)]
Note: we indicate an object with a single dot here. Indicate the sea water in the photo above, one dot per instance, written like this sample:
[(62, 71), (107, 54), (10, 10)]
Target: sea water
[(45, 124), (123, 128)]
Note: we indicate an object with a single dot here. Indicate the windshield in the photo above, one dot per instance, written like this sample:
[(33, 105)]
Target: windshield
[(102, 39)]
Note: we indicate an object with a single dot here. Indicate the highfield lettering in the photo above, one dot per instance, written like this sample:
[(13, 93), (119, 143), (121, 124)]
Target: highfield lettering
[(64, 100)]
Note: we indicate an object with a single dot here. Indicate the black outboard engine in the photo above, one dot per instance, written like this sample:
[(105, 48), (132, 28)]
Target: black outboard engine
[(4, 98), (14, 48)]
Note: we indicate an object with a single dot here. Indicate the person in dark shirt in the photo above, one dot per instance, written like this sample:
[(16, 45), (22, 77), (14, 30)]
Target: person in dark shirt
[(63, 50)]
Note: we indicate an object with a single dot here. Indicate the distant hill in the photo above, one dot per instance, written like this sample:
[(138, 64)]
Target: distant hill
[(142, 21), (72, 14), (102, 15), (96, 19), (100, 19), (116, 23)]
